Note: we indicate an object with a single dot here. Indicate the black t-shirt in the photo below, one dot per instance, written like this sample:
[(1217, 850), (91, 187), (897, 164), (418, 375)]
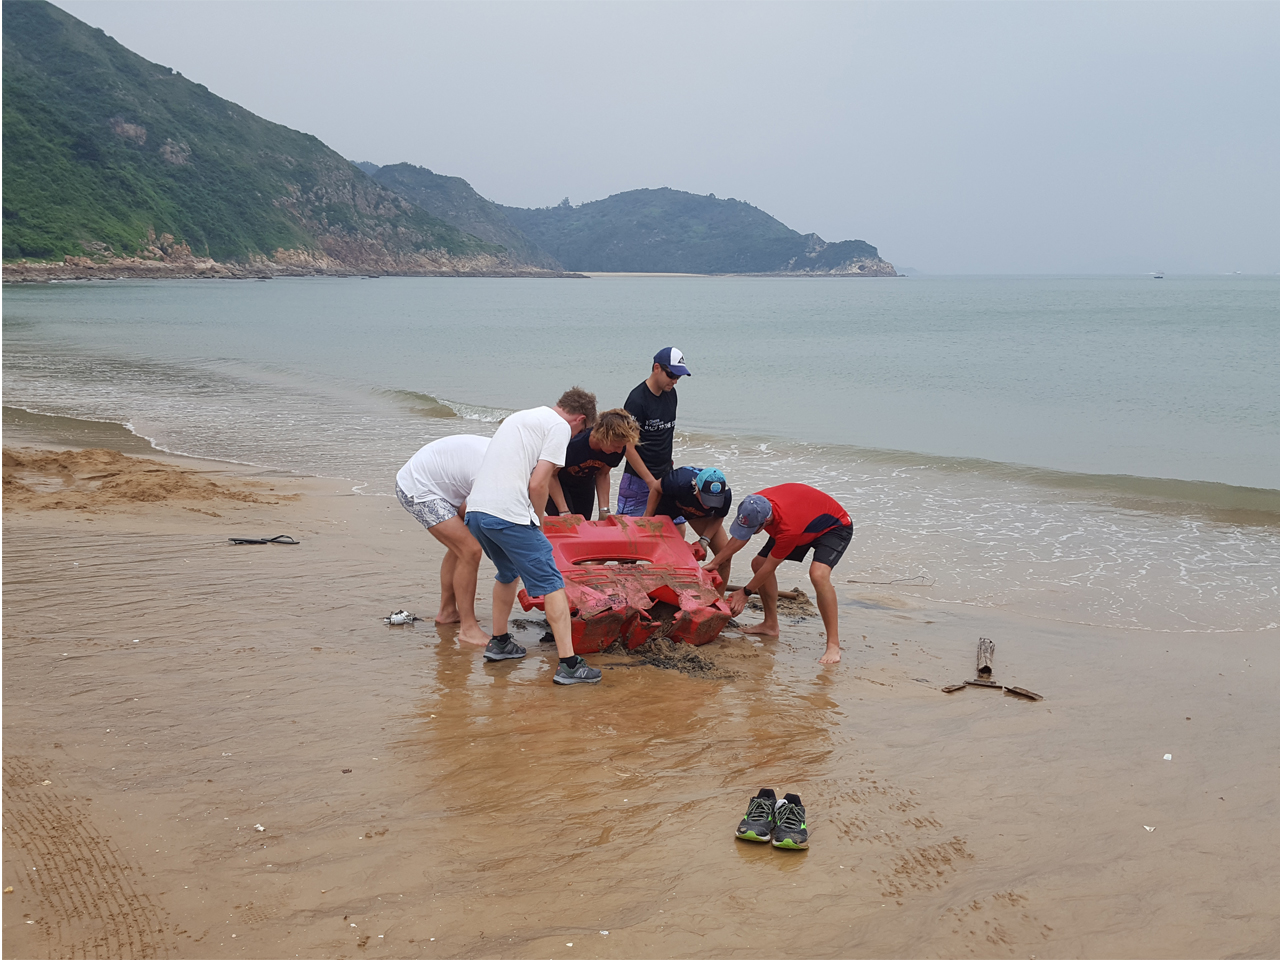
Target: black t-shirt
[(679, 497), (578, 475), (657, 419)]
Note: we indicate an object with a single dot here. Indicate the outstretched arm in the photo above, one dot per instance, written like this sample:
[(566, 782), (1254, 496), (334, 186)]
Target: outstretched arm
[(633, 458), (655, 497), (710, 532), (738, 599), (539, 482), (730, 548), (602, 491), (557, 494)]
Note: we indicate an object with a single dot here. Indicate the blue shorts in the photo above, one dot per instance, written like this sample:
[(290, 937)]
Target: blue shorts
[(517, 550)]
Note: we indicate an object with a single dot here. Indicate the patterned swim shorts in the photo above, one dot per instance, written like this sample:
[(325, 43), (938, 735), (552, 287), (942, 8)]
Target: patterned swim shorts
[(427, 512)]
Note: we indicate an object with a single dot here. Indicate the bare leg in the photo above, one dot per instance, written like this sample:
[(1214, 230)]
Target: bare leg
[(820, 576), (458, 573), (768, 627), (557, 608), (504, 598), (448, 599)]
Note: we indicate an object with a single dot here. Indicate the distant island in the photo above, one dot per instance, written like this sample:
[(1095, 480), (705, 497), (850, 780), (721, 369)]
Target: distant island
[(670, 231), (640, 231), (115, 166)]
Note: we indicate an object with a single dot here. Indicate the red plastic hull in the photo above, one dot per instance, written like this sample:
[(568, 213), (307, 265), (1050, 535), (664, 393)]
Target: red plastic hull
[(617, 570)]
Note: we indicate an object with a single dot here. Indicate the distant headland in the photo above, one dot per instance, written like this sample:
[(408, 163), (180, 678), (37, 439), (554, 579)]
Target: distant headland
[(117, 167)]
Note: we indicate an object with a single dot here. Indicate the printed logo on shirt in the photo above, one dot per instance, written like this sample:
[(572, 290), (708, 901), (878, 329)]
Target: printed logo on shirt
[(586, 468), (654, 425)]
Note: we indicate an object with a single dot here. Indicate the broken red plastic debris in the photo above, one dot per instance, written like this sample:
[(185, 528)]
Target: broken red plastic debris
[(629, 578)]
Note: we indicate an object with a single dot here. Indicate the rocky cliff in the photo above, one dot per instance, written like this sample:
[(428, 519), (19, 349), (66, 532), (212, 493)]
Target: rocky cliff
[(116, 166), (455, 201)]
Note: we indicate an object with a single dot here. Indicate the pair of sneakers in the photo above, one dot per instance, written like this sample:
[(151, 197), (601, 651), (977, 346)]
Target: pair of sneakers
[(780, 822), (504, 648)]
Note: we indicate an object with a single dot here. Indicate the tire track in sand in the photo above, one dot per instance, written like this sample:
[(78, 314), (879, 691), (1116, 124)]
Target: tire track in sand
[(81, 901)]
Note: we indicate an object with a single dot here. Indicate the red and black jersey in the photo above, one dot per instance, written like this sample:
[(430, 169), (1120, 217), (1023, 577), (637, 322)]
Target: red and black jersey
[(801, 514)]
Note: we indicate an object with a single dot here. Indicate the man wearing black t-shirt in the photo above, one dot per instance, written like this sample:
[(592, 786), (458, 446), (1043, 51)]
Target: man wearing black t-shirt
[(653, 404)]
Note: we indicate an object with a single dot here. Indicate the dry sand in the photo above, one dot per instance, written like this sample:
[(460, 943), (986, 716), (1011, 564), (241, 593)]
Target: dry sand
[(221, 751)]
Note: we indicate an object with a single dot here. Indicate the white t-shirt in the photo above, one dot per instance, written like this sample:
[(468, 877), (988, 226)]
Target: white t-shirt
[(445, 468), (524, 438)]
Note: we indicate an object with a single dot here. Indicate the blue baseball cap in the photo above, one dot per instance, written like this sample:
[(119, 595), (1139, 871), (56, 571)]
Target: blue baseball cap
[(753, 513), (712, 487), (673, 360)]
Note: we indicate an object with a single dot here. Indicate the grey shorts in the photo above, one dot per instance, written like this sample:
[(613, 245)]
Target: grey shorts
[(427, 512)]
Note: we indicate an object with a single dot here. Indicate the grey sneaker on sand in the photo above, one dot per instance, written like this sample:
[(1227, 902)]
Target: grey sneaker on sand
[(790, 827), (758, 824), (503, 648), (579, 674)]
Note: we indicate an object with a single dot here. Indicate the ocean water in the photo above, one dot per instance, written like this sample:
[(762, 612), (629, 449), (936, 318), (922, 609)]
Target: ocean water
[(1098, 450)]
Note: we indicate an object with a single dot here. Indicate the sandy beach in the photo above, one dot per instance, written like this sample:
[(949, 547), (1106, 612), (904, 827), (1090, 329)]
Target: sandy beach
[(221, 751)]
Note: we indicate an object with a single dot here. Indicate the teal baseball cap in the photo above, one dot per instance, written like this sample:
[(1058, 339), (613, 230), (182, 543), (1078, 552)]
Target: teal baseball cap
[(712, 487)]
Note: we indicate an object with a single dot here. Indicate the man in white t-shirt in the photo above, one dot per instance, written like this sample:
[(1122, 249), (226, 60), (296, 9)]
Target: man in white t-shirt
[(434, 486), (504, 513)]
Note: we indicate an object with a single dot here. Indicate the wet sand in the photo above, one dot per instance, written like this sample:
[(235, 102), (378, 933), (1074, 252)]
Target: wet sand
[(219, 751)]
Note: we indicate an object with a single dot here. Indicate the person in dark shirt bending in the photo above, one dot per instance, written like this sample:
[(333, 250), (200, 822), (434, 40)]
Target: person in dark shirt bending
[(653, 404), (700, 497), (798, 518), (587, 462)]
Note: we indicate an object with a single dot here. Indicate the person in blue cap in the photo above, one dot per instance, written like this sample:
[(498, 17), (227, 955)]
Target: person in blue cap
[(702, 498), (653, 404)]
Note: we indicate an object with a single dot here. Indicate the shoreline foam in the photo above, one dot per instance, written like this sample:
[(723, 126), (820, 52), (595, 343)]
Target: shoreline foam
[(986, 543)]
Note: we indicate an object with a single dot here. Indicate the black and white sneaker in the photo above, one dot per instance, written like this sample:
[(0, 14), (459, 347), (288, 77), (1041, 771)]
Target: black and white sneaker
[(503, 648), (579, 674), (790, 828), (757, 825)]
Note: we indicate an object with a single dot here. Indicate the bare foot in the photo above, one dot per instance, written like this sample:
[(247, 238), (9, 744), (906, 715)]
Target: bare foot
[(477, 635), (760, 630), (450, 615), (831, 656)]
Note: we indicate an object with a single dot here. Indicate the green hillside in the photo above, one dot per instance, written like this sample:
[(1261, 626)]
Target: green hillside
[(104, 151), (670, 231), (454, 201)]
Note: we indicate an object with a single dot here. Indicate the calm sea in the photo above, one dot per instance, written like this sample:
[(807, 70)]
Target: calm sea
[(1100, 450)]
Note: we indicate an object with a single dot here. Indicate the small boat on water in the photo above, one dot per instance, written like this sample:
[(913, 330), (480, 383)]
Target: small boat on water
[(1157, 276)]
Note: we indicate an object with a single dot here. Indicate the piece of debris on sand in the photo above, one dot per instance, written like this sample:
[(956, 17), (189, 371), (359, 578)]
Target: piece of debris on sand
[(791, 603), (91, 479), (668, 654)]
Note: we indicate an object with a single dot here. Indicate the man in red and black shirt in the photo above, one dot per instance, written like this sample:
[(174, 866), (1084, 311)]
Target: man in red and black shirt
[(798, 518)]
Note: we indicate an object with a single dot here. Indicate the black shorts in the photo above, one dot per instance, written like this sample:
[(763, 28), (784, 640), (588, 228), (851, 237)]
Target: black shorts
[(828, 548)]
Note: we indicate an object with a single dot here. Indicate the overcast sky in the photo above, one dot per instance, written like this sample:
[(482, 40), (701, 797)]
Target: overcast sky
[(957, 138)]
